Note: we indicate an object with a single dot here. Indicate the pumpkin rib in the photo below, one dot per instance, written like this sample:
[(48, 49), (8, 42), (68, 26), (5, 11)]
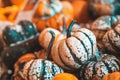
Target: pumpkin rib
[(76, 59), (62, 59), (83, 45), (89, 40), (94, 71), (106, 64), (29, 69), (115, 48)]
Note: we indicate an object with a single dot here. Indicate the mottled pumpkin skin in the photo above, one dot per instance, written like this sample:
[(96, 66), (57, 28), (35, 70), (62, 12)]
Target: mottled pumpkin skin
[(102, 24), (40, 69), (104, 7), (45, 37), (19, 64), (111, 40), (97, 69), (112, 76), (72, 52), (64, 76)]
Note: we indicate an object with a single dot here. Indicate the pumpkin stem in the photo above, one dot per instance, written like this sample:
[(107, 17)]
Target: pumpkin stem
[(64, 26), (70, 28), (50, 45)]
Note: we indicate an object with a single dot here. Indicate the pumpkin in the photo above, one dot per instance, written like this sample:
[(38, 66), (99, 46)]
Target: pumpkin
[(64, 76), (19, 64), (97, 69), (17, 33), (112, 76), (70, 53), (111, 40), (106, 7), (41, 68), (49, 7), (54, 21), (102, 24), (11, 54), (81, 11), (45, 35)]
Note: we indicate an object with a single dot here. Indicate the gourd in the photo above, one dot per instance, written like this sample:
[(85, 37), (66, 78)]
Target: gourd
[(15, 33), (97, 69), (54, 20), (19, 64), (72, 52), (45, 35), (64, 76), (41, 68), (111, 40), (112, 76)]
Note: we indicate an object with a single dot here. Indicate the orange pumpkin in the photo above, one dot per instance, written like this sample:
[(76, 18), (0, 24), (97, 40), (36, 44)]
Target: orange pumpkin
[(80, 11), (64, 76), (54, 21), (112, 76)]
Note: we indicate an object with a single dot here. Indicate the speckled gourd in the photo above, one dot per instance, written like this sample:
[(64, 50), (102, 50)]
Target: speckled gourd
[(72, 52), (93, 70)]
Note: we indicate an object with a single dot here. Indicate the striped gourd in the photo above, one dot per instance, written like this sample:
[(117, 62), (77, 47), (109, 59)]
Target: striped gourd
[(41, 69), (73, 51), (111, 39), (95, 70)]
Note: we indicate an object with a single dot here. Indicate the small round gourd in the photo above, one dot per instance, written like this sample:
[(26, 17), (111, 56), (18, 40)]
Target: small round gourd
[(19, 64), (64, 76), (97, 69), (112, 76), (16, 33), (72, 52), (111, 40), (41, 68)]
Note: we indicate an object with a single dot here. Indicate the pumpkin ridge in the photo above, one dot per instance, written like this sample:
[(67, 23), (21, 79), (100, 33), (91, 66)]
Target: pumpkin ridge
[(76, 59), (112, 44), (108, 68), (62, 59), (83, 45), (94, 71), (89, 40), (29, 69)]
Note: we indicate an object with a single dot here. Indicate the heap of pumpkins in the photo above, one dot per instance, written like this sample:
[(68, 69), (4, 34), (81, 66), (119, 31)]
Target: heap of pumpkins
[(66, 51)]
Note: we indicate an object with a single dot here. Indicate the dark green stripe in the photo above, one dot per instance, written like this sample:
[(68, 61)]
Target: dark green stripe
[(75, 58), (63, 60), (107, 65), (89, 40), (83, 46)]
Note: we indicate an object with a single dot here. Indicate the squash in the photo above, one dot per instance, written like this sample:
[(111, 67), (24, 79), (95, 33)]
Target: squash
[(41, 68), (107, 7), (64, 76), (111, 40), (17, 33), (54, 21), (45, 35), (11, 54), (112, 76), (19, 64), (97, 69), (72, 52)]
